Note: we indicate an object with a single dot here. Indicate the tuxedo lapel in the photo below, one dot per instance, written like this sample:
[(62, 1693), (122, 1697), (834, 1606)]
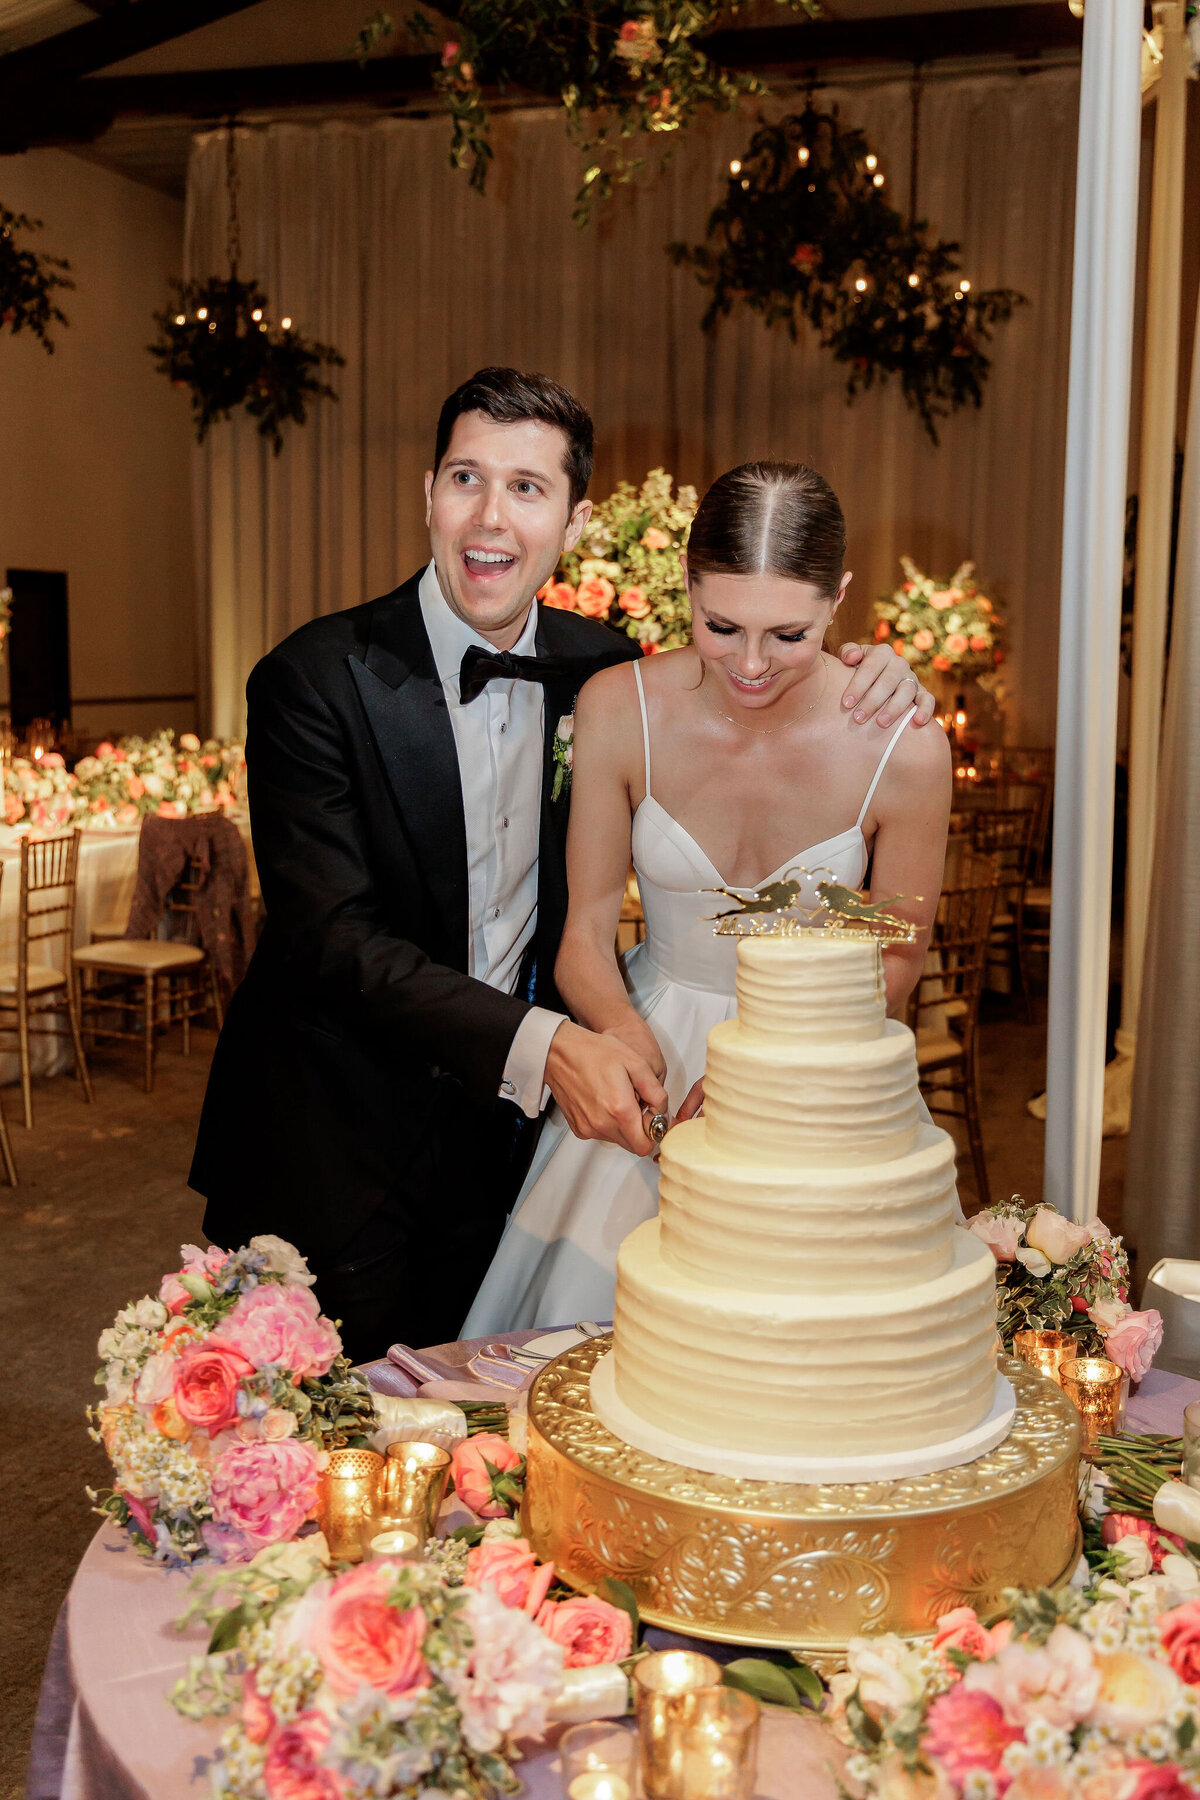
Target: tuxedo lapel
[(406, 711)]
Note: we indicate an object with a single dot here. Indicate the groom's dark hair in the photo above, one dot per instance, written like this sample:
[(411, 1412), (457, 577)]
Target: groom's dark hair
[(506, 396)]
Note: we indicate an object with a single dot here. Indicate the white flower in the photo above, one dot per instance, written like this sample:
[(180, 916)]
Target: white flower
[(189, 741), (1035, 1262), (566, 728), (282, 1258), (1058, 1238), (1182, 1577), (502, 1528), (1104, 1314), (513, 1675), (1136, 1556), (150, 1315), (153, 786), (889, 1671), (1095, 1504)]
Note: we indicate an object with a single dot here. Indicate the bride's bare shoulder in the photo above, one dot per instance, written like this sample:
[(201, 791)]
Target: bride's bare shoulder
[(611, 696)]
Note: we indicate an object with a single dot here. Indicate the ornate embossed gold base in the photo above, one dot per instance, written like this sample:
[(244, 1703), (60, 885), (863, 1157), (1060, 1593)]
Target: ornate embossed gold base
[(800, 1567)]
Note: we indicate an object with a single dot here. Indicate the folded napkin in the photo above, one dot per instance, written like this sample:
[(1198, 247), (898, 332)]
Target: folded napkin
[(402, 1419), (424, 1367), (496, 1363)]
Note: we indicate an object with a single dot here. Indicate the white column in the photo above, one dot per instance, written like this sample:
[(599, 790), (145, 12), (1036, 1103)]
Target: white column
[(1156, 479), (1106, 194)]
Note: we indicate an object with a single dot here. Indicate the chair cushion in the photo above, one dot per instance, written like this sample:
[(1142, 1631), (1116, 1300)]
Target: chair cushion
[(40, 978), (1037, 897), (934, 1049), (139, 956)]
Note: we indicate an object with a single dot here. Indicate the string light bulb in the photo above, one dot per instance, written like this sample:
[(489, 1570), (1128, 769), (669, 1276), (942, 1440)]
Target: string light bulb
[(286, 323), (965, 286), (256, 315), (745, 183), (914, 281), (181, 318), (735, 167), (802, 155), (203, 313), (958, 293), (872, 162), (877, 181), (861, 285)]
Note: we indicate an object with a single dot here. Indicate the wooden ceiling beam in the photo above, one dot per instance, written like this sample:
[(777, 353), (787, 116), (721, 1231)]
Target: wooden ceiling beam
[(121, 31)]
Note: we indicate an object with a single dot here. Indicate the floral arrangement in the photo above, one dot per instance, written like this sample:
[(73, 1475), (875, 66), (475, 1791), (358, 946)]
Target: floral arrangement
[(221, 1395), (122, 782), (1076, 1695), (1054, 1275), (944, 625), (621, 69), (626, 569), (42, 794), (6, 598), (28, 282), (804, 232)]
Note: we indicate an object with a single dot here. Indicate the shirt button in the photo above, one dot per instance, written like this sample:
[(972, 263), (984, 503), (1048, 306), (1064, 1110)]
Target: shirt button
[(495, 912), (504, 824), (503, 728)]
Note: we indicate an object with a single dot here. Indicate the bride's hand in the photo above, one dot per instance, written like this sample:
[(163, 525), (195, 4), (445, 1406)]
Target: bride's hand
[(694, 1103), (637, 1036), (885, 686)]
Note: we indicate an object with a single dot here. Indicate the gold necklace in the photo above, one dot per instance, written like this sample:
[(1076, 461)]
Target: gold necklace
[(772, 730)]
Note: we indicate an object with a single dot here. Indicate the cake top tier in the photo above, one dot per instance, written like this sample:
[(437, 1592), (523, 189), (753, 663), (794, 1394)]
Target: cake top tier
[(810, 986)]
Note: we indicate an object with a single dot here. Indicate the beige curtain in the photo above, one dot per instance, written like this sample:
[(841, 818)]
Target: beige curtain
[(368, 240)]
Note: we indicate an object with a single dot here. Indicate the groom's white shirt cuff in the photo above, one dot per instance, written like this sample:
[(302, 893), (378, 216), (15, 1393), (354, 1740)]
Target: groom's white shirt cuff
[(524, 1080)]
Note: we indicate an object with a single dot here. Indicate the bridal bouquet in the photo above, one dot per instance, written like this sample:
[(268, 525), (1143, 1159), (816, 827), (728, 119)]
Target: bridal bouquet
[(1053, 1275), (124, 781), (221, 1395), (625, 568), (944, 625)]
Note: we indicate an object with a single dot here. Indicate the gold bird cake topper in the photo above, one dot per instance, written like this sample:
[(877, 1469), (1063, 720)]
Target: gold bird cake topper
[(778, 910)]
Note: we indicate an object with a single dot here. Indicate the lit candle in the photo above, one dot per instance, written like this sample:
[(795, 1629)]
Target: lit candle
[(393, 1543), (598, 1785), (1093, 1383), (1046, 1350)]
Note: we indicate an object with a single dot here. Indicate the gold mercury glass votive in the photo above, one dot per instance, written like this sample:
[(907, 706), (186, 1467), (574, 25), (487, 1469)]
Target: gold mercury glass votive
[(666, 1686), (720, 1746), (597, 1761), (1093, 1385), (1046, 1350), (348, 1493), (389, 1534), (413, 1484)]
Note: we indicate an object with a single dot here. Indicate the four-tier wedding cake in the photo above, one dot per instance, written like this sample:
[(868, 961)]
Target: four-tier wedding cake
[(804, 1292)]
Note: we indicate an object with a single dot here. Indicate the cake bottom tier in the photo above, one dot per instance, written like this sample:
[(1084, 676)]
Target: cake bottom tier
[(805, 1374)]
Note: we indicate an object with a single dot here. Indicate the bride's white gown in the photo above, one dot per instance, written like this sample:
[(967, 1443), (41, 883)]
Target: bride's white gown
[(557, 1260)]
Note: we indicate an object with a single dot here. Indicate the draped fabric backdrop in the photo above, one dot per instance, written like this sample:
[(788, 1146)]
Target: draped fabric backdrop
[(366, 237)]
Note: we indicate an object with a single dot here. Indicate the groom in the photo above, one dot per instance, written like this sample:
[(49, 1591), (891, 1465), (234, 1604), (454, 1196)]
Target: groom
[(377, 1089)]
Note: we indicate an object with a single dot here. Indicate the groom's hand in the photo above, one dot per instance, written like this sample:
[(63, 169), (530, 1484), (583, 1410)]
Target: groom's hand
[(601, 1086), (884, 685)]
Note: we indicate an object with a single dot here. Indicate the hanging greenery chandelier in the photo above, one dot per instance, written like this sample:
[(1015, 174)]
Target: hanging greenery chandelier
[(219, 340), (804, 232), (28, 282)]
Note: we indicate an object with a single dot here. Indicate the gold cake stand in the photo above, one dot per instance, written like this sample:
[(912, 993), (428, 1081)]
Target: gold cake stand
[(796, 1566)]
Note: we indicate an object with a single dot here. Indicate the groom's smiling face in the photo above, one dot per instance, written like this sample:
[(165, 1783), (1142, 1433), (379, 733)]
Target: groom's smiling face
[(499, 515)]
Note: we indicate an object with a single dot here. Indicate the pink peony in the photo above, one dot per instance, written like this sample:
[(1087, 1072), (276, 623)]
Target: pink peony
[(265, 1491), (509, 1566), (1133, 1342), (589, 1630), (1160, 1781), (1057, 1238), (481, 1487), (966, 1731), (206, 1380), (1180, 1633), (293, 1768), (1058, 1682), (281, 1325), (1001, 1234), (140, 1513), (513, 1674), (258, 1715), (360, 1636), (961, 1630), (1118, 1525)]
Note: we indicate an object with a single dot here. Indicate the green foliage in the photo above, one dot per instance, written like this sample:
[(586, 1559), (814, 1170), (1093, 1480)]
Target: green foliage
[(218, 341), (804, 232), (789, 1684), (28, 282)]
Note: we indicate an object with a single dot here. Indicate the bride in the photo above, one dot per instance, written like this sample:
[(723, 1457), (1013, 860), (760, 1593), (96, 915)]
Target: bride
[(726, 764)]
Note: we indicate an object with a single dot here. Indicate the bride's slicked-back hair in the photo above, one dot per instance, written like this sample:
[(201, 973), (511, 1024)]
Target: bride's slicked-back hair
[(770, 518)]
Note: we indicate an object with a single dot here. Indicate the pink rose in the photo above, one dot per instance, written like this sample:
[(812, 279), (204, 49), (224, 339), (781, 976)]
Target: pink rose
[(171, 809), (594, 596), (293, 1768), (281, 1325), (359, 1636), (509, 1566), (961, 1630), (1118, 1525), (589, 1630), (966, 1731), (126, 815), (140, 1513), (135, 787), (979, 643), (1058, 1238), (1058, 1682), (14, 809), (1001, 1234), (104, 749), (206, 1380), (487, 1472), (634, 602), (1133, 1342), (956, 643), (923, 640), (513, 1674), (264, 1490), (173, 1294), (258, 1715), (559, 594), (940, 602), (654, 539), (1180, 1633), (1160, 1781)]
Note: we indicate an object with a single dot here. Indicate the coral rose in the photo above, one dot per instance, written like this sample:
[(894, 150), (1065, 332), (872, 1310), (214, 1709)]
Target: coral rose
[(940, 602), (979, 643), (359, 1636), (1057, 1682), (956, 643), (941, 663), (923, 639), (966, 1731), (1180, 1632), (479, 1468), (168, 1421), (1001, 1234), (265, 1491), (559, 594), (634, 602), (882, 630), (510, 1567), (594, 596), (1055, 1236), (258, 1715), (1033, 1783), (135, 787), (293, 1767), (961, 1630), (206, 1380), (1160, 1781), (654, 539), (589, 1630), (1133, 1342), (283, 1326), (1118, 1525)]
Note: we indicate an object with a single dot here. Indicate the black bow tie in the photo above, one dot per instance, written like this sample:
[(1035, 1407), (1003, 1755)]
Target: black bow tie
[(481, 666)]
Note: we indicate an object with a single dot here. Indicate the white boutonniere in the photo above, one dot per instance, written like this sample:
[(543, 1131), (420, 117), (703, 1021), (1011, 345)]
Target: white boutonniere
[(564, 755)]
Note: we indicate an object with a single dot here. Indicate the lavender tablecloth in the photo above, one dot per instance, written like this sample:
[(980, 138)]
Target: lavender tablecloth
[(105, 1732)]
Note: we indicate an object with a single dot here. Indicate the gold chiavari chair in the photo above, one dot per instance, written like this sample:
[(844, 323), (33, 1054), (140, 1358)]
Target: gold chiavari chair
[(43, 996), (1006, 833), (943, 1009)]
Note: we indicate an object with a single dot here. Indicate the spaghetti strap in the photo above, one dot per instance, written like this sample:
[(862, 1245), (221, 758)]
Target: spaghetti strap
[(637, 676), (887, 751)]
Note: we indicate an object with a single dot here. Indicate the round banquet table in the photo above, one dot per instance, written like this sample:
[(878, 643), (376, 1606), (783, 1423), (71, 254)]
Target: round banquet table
[(105, 1730)]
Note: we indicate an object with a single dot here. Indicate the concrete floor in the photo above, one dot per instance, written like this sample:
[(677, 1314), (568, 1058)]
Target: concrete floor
[(99, 1215)]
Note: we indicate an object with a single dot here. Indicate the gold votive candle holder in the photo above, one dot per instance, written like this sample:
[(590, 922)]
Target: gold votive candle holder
[(349, 1492), (666, 1686), (597, 1761), (1046, 1350), (384, 1535), (720, 1746), (413, 1484), (1093, 1385)]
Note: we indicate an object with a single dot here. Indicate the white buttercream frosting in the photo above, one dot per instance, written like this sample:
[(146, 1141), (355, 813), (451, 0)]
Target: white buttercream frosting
[(810, 987)]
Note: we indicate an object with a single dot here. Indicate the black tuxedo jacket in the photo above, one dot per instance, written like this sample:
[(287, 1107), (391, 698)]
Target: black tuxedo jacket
[(359, 1062)]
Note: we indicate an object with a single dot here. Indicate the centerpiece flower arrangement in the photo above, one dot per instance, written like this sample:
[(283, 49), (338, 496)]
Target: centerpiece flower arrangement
[(122, 782), (1054, 1275), (222, 1394), (625, 568), (42, 794), (949, 626)]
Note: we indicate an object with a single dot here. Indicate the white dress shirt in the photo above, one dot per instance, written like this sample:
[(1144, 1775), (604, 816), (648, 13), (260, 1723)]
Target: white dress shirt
[(499, 737)]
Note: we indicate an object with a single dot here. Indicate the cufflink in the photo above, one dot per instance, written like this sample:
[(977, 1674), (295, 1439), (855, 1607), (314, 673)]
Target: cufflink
[(508, 1088)]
